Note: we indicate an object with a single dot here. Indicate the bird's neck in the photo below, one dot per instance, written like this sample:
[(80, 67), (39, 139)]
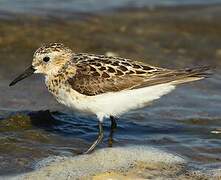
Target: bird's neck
[(56, 80)]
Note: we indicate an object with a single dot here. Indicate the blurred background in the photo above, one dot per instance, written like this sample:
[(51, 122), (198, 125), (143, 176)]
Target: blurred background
[(167, 33)]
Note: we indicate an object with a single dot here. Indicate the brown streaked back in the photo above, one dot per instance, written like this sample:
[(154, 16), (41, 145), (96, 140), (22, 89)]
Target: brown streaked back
[(101, 74)]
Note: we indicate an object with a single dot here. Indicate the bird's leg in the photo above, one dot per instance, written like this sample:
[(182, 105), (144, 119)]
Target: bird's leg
[(98, 140), (113, 123), (113, 127)]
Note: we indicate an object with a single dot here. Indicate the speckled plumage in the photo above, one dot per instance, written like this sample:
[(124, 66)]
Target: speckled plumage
[(102, 85), (89, 75), (50, 48)]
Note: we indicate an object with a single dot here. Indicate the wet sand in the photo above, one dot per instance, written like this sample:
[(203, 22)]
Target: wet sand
[(180, 123)]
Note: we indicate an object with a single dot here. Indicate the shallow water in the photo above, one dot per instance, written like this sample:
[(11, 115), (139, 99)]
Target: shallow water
[(185, 122), (51, 7)]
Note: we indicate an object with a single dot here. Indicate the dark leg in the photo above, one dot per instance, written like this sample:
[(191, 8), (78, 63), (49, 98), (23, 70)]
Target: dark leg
[(99, 138), (113, 127), (113, 123)]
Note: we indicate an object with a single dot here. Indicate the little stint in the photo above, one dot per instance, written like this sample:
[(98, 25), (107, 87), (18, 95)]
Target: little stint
[(102, 85)]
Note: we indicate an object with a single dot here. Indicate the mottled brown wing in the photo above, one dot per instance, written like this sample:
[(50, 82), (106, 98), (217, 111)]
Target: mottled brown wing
[(176, 76), (93, 84), (100, 74)]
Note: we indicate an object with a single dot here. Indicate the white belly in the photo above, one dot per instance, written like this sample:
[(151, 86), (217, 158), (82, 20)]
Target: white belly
[(114, 103)]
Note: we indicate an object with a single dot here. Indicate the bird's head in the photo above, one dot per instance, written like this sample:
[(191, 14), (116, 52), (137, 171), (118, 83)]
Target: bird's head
[(47, 60)]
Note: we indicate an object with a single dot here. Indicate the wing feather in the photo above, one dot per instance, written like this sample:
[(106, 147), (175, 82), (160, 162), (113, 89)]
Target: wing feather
[(100, 74)]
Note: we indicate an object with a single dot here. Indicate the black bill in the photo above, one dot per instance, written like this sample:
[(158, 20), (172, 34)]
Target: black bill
[(28, 72)]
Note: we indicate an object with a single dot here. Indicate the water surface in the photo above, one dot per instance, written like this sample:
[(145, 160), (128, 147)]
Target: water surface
[(56, 7), (187, 122)]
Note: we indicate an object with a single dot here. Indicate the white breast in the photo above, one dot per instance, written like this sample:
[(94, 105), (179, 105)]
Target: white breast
[(113, 103)]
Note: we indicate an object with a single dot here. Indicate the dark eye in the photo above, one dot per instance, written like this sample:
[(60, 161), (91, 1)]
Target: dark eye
[(46, 59)]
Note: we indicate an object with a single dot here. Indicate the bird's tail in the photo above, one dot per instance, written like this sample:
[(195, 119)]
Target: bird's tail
[(193, 74)]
